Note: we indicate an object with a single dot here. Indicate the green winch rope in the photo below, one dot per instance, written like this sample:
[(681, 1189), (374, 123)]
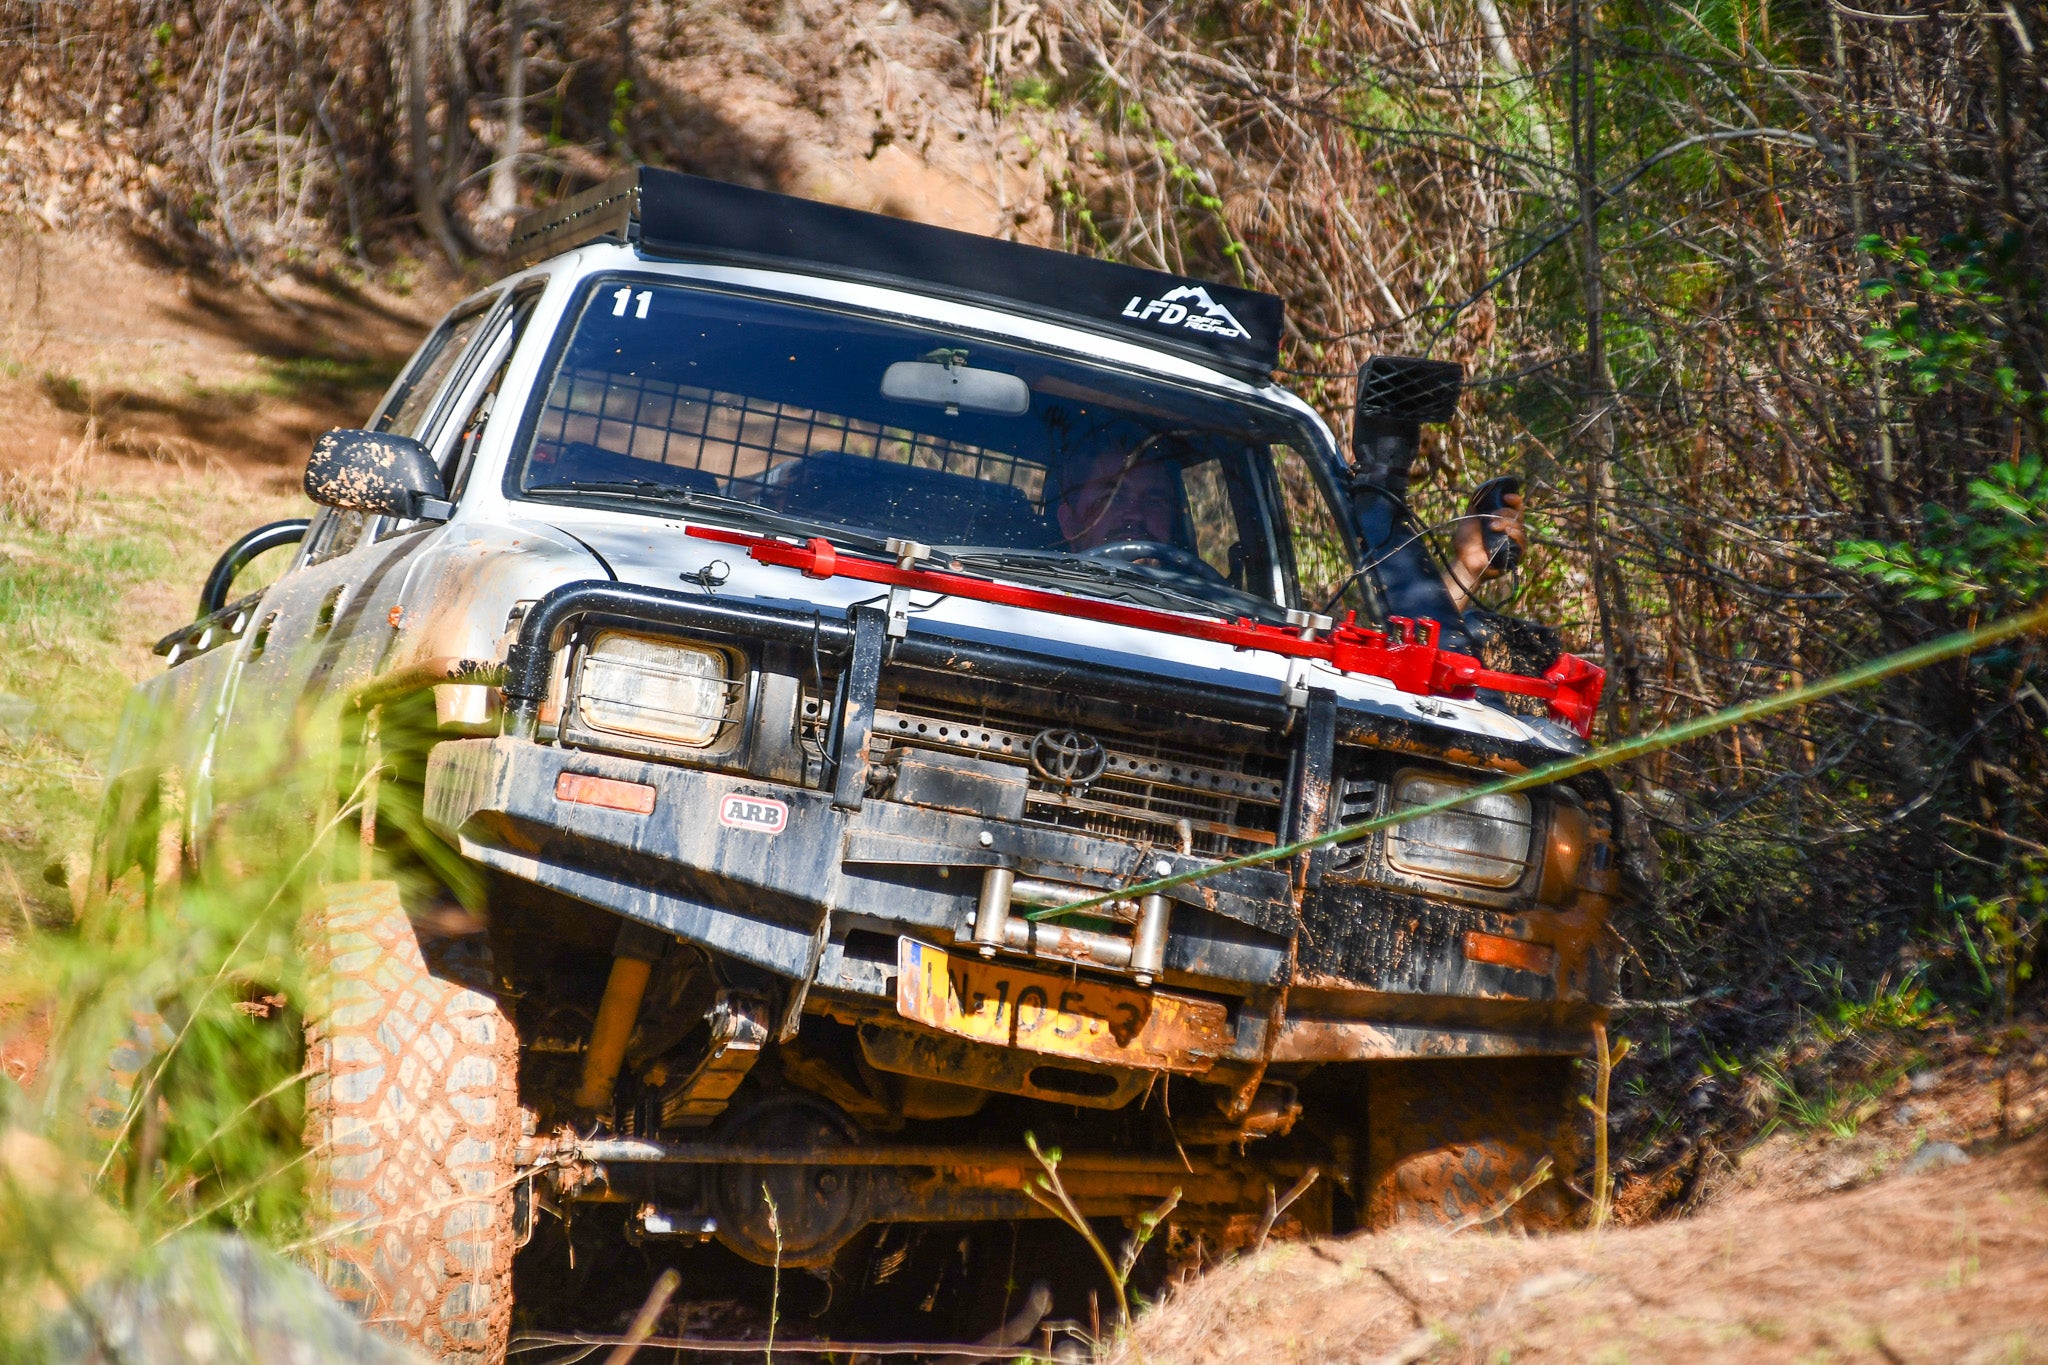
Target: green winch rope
[(1905, 661)]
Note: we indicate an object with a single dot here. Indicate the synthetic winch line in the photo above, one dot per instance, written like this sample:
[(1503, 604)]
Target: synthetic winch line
[(1905, 661)]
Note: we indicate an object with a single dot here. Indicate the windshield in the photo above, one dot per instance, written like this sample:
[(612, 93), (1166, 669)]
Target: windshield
[(1007, 461)]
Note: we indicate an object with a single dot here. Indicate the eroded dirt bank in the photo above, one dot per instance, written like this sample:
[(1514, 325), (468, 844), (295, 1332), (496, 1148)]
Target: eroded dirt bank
[(1940, 1266), (1929, 1261)]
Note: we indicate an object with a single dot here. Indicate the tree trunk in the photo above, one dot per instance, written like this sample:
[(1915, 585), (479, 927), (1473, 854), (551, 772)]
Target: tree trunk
[(455, 96), (505, 170), (426, 193), (1597, 421)]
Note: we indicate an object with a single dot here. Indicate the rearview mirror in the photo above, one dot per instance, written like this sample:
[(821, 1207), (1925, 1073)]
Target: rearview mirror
[(376, 471), (956, 388)]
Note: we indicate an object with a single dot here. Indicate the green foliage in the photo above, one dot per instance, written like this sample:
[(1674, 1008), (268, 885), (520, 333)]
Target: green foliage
[(1951, 321), (170, 1096), (622, 106), (1033, 91), (2012, 920), (191, 985), (1829, 1104), (1991, 554), (1045, 1189), (1884, 1008)]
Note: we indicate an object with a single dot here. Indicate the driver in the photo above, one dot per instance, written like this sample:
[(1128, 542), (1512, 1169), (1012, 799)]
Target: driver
[(1120, 493), (1116, 495), (1470, 564)]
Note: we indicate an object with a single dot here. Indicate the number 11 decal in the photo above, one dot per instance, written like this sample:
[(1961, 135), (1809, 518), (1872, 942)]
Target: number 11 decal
[(622, 297)]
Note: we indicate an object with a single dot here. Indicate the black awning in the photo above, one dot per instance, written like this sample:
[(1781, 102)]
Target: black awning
[(686, 217)]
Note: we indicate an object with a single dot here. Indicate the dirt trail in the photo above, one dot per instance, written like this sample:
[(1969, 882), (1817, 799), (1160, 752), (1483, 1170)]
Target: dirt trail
[(107, 350)]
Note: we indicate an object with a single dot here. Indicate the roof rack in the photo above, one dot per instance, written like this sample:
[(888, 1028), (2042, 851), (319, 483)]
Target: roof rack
[(684, 217), (610, 210)]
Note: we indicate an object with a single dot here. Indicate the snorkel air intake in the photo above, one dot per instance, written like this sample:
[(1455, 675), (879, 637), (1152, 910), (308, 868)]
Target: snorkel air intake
[(1396, 395)]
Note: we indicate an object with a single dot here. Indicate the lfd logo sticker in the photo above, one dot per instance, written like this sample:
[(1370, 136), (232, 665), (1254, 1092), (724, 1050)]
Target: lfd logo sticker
[(1189, 308), (761, 814)]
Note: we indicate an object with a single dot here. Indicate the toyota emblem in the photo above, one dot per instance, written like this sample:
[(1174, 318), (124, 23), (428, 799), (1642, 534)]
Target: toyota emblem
[(1068, 757)]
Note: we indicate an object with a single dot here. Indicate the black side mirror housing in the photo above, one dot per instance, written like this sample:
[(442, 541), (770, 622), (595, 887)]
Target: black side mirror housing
[(376, 471)]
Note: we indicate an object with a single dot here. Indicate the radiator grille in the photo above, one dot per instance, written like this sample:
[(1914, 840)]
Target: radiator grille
[(1156, 790)]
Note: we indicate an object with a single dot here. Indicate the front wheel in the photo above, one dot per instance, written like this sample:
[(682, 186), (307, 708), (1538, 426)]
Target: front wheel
[(1454, 1142), (412, 1126)]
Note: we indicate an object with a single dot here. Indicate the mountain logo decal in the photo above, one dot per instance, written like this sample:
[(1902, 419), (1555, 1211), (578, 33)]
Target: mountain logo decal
[(1188, 308)]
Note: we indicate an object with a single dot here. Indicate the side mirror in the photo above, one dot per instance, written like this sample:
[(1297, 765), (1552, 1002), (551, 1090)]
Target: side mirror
[(376, 471)]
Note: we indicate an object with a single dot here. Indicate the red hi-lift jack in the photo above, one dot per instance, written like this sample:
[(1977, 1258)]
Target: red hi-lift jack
[(1406, 654)]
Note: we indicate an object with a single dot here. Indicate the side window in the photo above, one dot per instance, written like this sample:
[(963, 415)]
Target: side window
[(429, 371), (1223, 511), (334, 534), (469, 432), (1322, 552), (1217, 506)]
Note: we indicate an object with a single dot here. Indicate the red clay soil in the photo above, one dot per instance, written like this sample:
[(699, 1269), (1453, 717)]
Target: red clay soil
[(105, 350), (1947, 1265)]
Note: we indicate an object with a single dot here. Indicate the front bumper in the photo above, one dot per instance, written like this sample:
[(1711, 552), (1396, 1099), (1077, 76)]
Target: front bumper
[(786, 901), (777, 899)]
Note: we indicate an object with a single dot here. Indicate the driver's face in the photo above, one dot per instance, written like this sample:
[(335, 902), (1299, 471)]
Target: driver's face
[(1114, 503)]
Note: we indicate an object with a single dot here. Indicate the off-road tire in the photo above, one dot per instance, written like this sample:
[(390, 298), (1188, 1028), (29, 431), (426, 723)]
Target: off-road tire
[(412, 1120), (1450, 1141)]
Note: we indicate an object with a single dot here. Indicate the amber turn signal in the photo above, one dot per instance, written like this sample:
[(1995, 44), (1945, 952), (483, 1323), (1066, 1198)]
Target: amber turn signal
[(1563, 853), (1510, 952)]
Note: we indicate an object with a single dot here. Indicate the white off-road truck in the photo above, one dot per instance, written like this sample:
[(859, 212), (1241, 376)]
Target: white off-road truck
[(783, 618)]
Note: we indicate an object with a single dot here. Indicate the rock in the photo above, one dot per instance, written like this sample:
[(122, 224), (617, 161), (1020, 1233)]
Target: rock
[(1935, 1156), (1905, 1114), (1920, 1082), (1556, 1282), (212, 1297)]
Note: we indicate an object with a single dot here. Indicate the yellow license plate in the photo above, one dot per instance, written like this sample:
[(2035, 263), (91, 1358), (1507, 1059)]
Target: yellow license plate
[(995, 1002)]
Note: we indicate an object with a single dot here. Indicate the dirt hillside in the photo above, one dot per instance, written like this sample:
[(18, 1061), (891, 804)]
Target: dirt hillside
[(106, 347), (1886, 1241), (1948, 1265)]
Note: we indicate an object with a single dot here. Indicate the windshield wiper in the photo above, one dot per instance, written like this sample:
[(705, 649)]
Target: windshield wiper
[(1094, 572), (648, 490), (981, 559)]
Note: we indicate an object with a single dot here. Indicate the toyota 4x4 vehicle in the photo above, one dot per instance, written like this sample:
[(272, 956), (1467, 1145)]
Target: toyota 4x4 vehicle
[(811, 635)]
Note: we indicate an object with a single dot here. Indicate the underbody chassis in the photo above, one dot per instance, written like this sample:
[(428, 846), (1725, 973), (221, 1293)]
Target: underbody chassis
[(831, 962)]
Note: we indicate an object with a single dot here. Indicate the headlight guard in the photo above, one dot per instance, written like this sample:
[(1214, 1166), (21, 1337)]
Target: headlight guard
[(653, 689), (1485, 843)]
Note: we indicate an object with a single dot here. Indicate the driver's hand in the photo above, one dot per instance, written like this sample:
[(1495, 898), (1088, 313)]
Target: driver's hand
[(1468, 546)]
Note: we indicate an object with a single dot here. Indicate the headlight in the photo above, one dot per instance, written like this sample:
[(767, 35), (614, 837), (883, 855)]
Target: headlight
[(660, 689), (1484, 842)]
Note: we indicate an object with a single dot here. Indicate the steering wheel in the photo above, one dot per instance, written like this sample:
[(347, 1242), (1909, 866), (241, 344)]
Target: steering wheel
[(1170, 556)]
